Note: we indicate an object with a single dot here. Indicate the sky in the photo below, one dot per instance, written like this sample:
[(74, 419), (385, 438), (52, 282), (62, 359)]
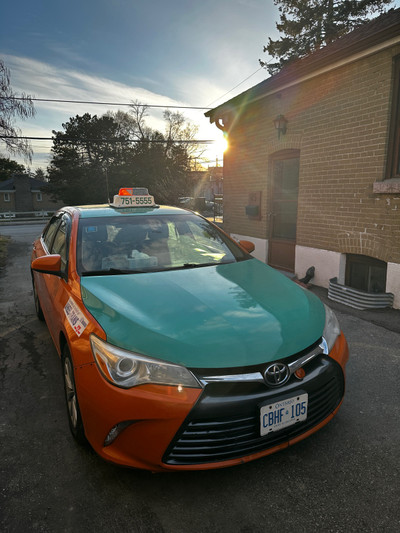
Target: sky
[(157, 52)]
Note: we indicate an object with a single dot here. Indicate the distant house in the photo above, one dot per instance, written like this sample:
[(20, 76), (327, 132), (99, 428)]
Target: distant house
[(207, 183), (22, 194), (312, 173)]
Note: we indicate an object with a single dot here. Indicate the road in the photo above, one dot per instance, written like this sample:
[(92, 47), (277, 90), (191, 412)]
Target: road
[(345, 478)]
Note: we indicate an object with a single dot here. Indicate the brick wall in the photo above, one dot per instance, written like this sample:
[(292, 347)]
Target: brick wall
[(339, 121)]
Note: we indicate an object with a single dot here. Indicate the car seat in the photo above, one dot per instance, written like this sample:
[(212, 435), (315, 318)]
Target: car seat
[(156, 243)]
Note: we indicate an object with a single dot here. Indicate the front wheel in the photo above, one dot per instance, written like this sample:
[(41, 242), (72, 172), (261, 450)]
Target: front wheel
[(74, 414)]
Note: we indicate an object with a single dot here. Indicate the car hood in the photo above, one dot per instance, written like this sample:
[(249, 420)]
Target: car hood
[(231, 315)]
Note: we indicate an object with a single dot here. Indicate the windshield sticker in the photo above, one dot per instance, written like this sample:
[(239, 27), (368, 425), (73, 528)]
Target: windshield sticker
[(75, 317), (91, 229)]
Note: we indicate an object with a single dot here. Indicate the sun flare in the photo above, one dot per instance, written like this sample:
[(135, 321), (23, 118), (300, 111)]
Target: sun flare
[(221, 145)]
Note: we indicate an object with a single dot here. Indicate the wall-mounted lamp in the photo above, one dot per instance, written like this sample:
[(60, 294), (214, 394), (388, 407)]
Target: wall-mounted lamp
[(280, 124)]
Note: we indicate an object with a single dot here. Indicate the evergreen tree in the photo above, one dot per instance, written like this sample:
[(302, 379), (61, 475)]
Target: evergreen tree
[(40, 174), (307, 25), (90, 153), (8, 168)]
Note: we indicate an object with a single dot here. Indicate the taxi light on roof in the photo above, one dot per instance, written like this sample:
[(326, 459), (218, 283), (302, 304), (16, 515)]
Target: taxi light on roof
[(125, 192), (131, 191)]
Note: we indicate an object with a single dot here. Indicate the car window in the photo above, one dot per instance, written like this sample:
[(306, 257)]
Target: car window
[(61, 241), (148, 243), (50, 231)]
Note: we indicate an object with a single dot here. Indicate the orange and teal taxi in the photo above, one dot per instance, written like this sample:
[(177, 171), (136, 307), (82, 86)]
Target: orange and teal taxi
[(181, 351)]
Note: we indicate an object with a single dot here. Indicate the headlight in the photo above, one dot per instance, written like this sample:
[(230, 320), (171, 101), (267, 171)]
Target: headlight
[(331, 329), (127, 369)]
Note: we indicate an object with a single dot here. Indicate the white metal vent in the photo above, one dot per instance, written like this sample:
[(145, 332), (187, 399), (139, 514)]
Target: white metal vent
[(358, 299)]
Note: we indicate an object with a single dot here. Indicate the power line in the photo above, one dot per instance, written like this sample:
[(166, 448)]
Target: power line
[(236, 86), (88, 102), (156, 106)]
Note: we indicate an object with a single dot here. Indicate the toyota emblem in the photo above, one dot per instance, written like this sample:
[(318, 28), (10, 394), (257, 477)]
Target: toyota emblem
[(276, 374)]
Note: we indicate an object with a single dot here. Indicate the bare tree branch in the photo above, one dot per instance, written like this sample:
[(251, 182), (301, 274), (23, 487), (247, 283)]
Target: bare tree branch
[(13, 106)]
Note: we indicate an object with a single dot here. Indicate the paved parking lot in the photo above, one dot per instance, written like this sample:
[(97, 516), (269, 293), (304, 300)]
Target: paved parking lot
[(344, 478)]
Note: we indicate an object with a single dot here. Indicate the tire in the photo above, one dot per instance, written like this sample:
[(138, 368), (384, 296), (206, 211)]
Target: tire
[(38, 308), (71, 398)]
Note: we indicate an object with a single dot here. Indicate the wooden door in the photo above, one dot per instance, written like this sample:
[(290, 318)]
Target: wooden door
[(283, 221)]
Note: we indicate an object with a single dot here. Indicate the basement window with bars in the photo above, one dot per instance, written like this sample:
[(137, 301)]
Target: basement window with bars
[(366, 273)]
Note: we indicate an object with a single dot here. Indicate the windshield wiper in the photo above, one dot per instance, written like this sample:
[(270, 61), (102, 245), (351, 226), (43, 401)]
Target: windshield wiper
[(198, 265), (117, 271), (114, 271)]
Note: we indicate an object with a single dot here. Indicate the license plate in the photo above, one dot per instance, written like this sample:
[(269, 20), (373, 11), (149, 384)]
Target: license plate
[(283, 413)]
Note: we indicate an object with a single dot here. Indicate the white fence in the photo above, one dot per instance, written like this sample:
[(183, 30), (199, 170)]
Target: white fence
[(24, 216)]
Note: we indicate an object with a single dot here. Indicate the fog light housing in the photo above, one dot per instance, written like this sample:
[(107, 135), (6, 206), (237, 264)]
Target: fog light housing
[(116, 431)]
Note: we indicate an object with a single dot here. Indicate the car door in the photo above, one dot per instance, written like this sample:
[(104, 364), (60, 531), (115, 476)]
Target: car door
[(41, 247), (52, 289)]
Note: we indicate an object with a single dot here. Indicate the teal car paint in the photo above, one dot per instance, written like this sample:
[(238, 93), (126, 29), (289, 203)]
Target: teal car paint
[(231, 315), (105, 211)]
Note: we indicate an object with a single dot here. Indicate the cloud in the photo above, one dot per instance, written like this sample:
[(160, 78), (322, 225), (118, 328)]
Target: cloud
[(43, 80), (48, 81)]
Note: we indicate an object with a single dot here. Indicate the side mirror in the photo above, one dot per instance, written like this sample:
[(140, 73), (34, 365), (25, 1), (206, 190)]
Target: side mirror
[(47, 264), (247, 245)]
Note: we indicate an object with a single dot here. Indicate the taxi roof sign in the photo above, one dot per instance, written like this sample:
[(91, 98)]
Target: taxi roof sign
[(133, 197)]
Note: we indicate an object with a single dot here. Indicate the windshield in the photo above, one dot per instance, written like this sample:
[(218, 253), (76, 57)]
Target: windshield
[(146, 243)]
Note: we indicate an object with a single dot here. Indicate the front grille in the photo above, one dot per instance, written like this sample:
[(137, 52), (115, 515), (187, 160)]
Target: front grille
[(207, 440)]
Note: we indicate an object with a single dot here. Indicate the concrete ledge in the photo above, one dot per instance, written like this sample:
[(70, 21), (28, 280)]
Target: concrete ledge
[(391, 186)]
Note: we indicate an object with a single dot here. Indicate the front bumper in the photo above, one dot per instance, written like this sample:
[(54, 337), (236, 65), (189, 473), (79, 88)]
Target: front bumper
[(190, 429), (225, 423)]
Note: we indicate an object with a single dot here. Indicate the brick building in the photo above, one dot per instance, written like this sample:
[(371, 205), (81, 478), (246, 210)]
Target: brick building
[(312, 173), (22, 194)]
